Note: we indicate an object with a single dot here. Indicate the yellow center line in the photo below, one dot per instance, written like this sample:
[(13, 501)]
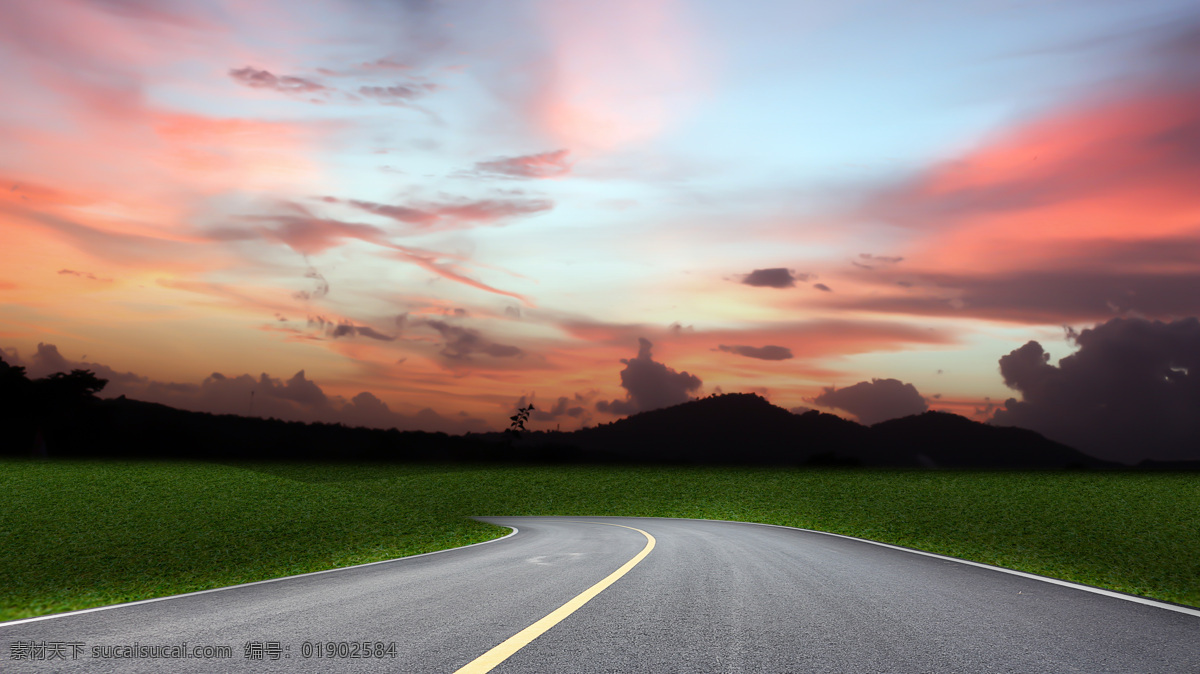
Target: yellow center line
[(516, 642)]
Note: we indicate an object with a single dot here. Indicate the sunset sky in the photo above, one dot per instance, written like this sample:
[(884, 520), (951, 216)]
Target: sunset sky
[(422, 213)]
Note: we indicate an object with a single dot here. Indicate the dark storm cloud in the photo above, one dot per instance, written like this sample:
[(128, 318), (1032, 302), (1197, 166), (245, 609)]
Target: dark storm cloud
[(776, 277), (1131, 391), (874, 401), (768, 352), (649, 385)]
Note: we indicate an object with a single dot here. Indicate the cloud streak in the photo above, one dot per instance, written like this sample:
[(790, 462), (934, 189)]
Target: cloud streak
[(263, 79), (538, 166), (451, 214), (308, 234)]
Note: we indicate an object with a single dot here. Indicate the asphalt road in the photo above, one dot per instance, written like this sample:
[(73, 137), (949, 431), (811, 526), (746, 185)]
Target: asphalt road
[(705, 597)]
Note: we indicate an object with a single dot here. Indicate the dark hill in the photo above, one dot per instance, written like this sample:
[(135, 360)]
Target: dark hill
[(124, 428), (743, 428), (731, 428), (941, 439)]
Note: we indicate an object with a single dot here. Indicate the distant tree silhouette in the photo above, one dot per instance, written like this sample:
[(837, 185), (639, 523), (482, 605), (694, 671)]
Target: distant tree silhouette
[(17, 410), (37, 412), (63, 388), (15, 388), (518, 421)]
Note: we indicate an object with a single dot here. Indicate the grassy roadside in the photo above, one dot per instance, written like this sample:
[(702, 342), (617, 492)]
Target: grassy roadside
[(81, 534)]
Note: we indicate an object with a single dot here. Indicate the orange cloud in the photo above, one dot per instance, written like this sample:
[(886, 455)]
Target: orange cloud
[(218, 154), (33, 195)]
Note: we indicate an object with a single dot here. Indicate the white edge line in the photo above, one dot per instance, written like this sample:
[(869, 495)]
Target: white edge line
[(22, 621), (1024, 574)]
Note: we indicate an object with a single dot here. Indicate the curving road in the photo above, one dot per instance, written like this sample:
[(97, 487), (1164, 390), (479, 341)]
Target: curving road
[(650, 595)]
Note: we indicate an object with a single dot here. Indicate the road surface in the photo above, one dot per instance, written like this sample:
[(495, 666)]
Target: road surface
[(629, 595)]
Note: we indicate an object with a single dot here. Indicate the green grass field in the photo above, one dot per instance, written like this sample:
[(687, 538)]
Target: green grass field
[(81, 534)]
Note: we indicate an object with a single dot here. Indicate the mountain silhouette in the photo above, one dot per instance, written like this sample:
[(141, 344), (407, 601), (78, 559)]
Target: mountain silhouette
[(61, 416), (744, 428), (734, 428), (944, 440)]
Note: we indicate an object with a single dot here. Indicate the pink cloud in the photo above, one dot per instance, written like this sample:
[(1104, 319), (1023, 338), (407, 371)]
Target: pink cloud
[(1085, 212), (617, 74), (543, 165), (806, 339), (305, 234)]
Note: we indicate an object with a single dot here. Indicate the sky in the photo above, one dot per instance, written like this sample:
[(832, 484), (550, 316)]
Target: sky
[(424, 213)]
